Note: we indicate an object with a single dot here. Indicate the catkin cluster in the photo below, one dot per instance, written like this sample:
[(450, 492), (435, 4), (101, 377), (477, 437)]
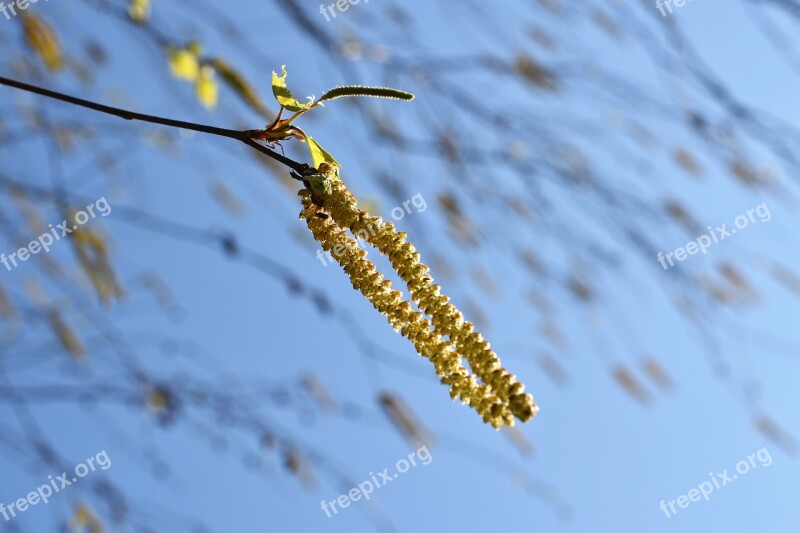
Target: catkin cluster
[(490, 389)]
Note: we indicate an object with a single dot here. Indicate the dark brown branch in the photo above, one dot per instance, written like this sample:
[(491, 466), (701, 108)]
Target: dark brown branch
[(242, 136)]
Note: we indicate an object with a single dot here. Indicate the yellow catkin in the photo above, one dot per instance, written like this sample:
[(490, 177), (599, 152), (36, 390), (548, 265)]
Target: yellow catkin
[(445, 317), (365, 277)]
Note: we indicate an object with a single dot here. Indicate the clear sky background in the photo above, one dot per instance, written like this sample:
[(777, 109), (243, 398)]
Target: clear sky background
[(602, 462)]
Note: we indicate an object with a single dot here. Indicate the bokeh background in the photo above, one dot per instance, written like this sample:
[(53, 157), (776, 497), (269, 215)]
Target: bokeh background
[(235, 382)]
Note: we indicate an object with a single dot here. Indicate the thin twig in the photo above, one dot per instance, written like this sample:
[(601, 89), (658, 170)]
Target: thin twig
[(242, 136)]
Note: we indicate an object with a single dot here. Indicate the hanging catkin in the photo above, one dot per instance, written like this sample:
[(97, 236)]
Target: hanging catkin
[(498, 397)]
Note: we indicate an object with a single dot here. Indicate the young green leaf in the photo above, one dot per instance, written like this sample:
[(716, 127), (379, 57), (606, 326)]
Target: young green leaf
[(319, 155), (284, 96), (183, 64), (206, 87), (350, 91)]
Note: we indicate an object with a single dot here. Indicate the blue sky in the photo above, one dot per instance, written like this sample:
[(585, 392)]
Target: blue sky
[(610, 458)]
